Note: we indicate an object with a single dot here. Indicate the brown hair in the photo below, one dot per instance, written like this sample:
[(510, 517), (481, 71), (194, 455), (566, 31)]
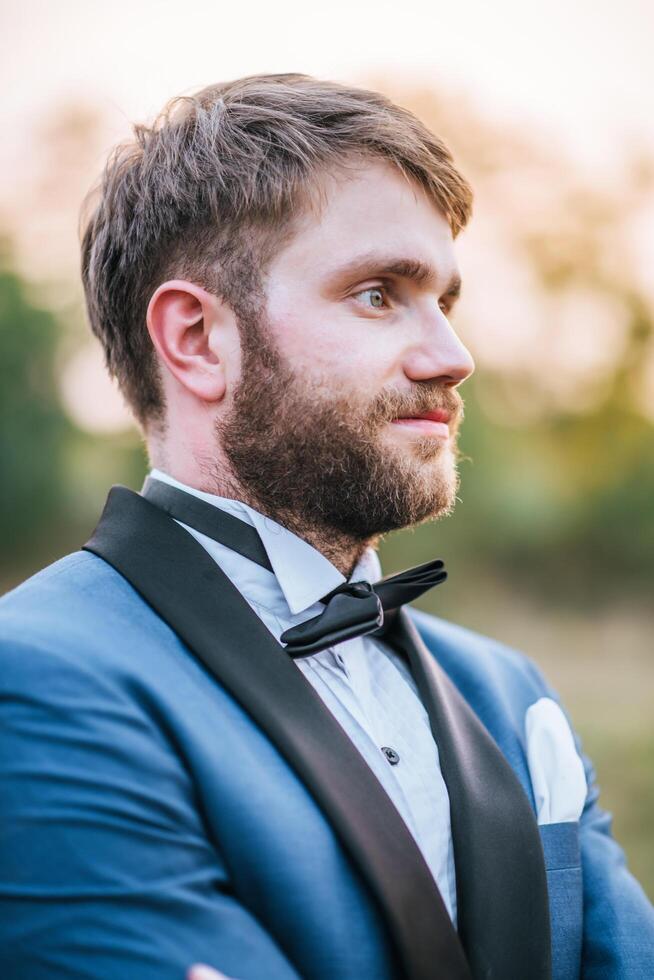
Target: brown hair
[(211, 189)]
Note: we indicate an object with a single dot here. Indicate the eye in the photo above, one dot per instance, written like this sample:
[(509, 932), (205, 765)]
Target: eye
[(373, 297)]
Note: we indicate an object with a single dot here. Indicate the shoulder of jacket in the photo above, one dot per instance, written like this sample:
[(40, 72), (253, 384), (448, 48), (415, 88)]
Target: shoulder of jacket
[(470, 657), (78, 612)]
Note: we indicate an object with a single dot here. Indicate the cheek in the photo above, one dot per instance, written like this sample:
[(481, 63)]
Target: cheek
[(332, 350)]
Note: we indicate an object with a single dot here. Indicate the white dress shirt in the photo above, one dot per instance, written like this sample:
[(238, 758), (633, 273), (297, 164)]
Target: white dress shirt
[(367, 686)]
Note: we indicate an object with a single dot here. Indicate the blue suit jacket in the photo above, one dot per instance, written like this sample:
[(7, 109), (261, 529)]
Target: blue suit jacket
[(148, 822)]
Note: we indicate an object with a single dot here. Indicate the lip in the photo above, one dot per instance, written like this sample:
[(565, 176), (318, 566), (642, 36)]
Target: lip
[(431, 423), (438, 415)]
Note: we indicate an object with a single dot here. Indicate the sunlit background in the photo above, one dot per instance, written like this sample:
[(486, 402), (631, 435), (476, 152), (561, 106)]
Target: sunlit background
[(548, 109)]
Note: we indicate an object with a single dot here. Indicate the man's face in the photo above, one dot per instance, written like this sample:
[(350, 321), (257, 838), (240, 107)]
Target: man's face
[(346, 415)]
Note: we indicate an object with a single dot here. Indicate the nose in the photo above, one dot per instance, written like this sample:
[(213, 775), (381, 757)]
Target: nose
[(439, 356)]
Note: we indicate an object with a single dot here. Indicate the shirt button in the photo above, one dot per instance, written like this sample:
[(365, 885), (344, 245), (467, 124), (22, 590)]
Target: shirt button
[(391, 755)]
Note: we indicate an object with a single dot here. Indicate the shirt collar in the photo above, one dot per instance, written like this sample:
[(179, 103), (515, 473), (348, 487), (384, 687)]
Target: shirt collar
[(303, 574)]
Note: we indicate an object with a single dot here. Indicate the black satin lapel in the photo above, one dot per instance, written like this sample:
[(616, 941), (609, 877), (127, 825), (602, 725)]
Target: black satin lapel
[(503, 912), (183, 584)]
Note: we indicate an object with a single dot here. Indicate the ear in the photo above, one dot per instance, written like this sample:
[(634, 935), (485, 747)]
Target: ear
[(193, 332)]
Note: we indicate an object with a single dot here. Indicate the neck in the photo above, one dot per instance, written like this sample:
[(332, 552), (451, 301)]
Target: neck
[(342, 550)]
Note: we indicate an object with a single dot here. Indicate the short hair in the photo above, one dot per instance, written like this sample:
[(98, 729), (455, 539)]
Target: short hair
[(210, 190)]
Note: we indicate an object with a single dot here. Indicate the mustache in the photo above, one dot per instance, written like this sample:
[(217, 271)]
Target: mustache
[(393, 404)]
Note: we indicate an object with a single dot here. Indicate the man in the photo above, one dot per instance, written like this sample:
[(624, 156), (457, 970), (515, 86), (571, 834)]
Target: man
[(224, 742)]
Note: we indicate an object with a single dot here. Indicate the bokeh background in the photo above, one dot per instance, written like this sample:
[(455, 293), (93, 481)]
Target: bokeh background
[(548, 109)]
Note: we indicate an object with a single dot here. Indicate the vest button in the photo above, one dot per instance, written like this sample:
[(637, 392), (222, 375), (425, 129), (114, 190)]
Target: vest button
[(391, 755)]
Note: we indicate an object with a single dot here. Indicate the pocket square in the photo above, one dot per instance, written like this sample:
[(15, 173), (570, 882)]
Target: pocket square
[(557, 773)]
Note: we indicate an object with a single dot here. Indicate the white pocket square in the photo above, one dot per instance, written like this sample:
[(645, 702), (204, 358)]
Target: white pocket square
[(557, 773)]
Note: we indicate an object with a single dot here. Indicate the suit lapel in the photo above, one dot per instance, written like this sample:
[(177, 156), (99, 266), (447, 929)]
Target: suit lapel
[(175, 575), (502, 897)]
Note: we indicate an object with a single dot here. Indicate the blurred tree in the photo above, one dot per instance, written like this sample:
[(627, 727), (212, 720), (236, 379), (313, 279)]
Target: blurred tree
[(53, 477), (33, 429)]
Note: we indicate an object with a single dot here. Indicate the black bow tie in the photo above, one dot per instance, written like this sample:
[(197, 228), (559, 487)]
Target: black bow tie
[(353, 609), (358, 608)]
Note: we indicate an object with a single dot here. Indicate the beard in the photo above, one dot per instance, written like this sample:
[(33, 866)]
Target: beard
[(313, 458)]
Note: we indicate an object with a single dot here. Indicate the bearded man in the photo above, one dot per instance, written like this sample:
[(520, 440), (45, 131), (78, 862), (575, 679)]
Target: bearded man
[(226, 740)]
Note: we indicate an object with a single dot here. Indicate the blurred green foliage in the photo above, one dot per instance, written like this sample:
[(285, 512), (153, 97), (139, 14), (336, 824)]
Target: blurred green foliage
[(33, 428), (52, 475)]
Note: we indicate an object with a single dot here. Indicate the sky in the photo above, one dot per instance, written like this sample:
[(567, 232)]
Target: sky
[(581, 71)]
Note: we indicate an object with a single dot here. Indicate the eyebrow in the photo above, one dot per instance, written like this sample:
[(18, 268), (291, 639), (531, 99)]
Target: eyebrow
[(419, 272)]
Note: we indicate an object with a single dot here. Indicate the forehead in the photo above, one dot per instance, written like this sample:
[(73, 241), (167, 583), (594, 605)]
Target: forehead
[(373, 208)]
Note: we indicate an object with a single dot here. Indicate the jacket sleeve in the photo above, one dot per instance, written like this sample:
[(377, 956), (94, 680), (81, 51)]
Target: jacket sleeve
[(618, 917), (106, 871), (618, 931)]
